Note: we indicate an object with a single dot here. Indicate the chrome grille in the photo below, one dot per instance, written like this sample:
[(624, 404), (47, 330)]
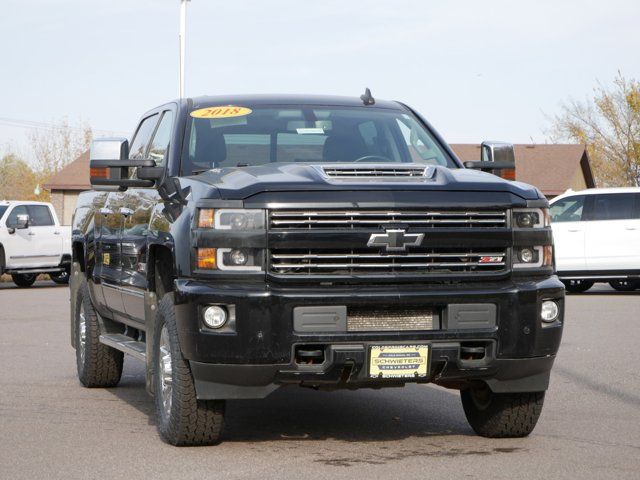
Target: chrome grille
[(367, 219), (337, 262), (374, 172)]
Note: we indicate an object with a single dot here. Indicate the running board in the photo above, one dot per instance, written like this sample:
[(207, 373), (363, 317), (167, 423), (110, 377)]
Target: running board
[(23, 271), (125, 344)]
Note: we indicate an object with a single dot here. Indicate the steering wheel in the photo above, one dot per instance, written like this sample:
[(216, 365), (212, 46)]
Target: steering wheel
[(368, 158)]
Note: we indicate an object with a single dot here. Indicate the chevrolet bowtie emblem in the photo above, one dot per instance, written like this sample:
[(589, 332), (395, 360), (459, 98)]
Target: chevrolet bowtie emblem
[(395, 240)]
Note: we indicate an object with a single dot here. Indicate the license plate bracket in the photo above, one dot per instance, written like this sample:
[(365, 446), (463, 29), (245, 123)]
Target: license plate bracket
[(399, 361)]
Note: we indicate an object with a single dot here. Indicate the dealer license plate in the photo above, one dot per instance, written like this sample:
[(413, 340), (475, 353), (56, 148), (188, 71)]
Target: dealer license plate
[(398, 361)]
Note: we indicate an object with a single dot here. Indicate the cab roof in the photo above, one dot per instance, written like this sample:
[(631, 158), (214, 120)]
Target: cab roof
[(596, 191), (289, 99)]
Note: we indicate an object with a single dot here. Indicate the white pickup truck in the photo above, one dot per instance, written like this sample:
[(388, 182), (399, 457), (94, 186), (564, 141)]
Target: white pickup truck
[(32, 241)]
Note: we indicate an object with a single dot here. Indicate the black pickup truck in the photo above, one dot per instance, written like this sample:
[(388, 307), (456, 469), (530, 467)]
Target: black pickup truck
[(244, 243)]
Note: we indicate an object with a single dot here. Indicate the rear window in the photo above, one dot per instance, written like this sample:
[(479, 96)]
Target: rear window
[(613, 206), (40, 216), (3, 208)]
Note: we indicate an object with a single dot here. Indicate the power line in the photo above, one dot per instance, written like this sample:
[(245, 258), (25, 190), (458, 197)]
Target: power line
[(37, 125)]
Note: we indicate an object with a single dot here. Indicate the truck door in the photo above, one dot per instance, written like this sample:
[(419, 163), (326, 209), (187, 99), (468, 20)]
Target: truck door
[(108, 256), (569, 233), (136, 208), (39, 245), (613, 234)]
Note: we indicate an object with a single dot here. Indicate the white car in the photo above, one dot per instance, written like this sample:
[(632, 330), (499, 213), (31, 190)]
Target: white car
[(32, 241), (597, 238)]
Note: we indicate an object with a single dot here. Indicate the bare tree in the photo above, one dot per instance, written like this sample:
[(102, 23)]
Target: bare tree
[(56, 146), (17, 180), (609, 125)]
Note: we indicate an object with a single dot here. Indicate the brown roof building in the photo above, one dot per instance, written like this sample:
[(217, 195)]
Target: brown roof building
[(66, 185), (553, 168), (550, 167)]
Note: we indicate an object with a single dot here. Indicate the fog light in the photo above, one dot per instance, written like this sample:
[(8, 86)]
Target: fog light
[(549, 311), (238, 257), (214, 316), (526, 255)]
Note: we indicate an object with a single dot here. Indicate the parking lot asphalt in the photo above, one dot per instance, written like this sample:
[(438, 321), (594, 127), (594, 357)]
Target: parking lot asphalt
[(51, 427)]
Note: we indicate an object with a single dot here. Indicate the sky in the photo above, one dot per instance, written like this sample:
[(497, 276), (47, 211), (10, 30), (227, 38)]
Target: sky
[(477, 70)]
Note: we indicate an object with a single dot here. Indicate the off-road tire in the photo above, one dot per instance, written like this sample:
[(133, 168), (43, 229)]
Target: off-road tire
[(23, 280), (501, 415), (101, 365), (577, 286), (189, 421)]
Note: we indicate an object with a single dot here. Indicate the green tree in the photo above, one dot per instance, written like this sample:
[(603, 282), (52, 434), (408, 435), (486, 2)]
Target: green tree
[(609, 125)]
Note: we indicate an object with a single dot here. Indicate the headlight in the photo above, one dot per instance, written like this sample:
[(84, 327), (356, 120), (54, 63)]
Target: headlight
[(231, 219), (530, 218), (533, 257), (239, 259)]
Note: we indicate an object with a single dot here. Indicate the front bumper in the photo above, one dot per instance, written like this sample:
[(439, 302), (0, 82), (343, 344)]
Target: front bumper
[(258, 356)]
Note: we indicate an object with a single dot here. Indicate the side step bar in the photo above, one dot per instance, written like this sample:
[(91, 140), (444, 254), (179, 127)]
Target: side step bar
[(36, 270), (125, 344)]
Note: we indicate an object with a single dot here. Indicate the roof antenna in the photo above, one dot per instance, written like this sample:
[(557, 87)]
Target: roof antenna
[(367, 98)]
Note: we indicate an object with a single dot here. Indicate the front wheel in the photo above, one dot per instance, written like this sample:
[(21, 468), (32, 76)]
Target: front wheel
[(23, 280), (501, 415), (577, 286), (182, 419), (98, 364), (625, 285)]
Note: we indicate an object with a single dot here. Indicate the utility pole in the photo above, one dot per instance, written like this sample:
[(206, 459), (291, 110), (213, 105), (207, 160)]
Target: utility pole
[(183, 29)]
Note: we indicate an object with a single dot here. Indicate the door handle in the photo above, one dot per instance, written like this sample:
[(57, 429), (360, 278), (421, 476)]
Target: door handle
[(105, 211), (574, 230), (56, 233), (630, 228), (126, 211), (32, 234)]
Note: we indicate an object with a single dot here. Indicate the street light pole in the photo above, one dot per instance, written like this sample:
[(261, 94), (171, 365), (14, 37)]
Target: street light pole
[(183, 29)]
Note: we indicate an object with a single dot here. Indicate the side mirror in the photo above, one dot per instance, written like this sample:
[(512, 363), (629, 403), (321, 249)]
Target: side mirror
[(22, 221), (497, 158), (109, 166)]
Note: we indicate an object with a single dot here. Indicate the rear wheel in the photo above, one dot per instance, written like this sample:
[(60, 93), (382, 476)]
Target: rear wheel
[(577, 286), (501, 415), (61, 278), (625, 285), (182, 418), (98, 364), (23, 279)]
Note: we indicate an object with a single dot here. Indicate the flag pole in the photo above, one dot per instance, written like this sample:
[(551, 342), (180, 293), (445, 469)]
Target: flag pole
[(183, 29)]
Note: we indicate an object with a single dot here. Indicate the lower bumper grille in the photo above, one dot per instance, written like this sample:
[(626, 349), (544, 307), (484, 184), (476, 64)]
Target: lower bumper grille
[(366, 262), (376, 320)]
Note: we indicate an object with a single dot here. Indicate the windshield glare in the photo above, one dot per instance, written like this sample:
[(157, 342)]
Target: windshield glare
[(309, 134)]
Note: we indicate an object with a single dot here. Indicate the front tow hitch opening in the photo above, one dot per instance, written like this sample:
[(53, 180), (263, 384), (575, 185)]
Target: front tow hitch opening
[(310, 354), (473, 351)]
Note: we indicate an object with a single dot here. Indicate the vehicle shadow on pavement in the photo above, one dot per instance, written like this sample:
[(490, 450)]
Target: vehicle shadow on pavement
[(295, 413), (35, 286), (603, 292)]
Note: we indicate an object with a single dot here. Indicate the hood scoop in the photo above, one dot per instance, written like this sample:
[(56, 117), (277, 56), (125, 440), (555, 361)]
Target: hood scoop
[(378, 172)]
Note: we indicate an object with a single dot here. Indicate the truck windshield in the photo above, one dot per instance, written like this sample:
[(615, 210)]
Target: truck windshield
[(238, 136)]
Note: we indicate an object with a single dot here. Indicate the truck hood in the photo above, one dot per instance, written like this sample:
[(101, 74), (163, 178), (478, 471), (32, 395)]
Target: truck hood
[(240, 183)]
